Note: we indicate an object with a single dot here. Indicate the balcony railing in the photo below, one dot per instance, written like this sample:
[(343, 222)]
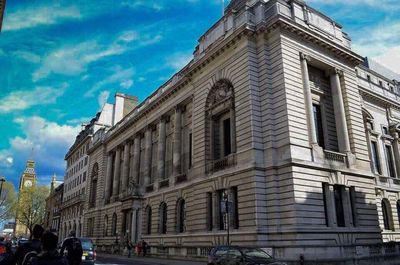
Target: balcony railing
[(221, 164), (335, 156), (164, 183), (181, 178)]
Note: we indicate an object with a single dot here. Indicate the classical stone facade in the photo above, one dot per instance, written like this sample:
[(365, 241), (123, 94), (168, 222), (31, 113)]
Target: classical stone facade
[(272, 114), (53, 206), (77, 173)]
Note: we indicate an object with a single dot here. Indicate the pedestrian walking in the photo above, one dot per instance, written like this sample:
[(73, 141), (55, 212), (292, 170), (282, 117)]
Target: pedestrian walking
[(49, 254), (129, 247), (74, 249), (144, 247), (32, 247)]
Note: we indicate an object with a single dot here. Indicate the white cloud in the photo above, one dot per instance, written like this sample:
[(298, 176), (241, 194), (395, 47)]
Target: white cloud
[(33, 16), (129, 36), (74, 59), (126, 84), (27, 56), (50, 142), (102, 98), (120, 75), (381, 43), (179, 60), (390, 58), (25, 99), (6, 160)]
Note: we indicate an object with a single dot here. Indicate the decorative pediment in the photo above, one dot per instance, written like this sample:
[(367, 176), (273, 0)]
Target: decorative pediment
[(221, 92)]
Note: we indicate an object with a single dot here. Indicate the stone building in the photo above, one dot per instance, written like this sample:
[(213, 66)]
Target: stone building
[(28, 179), (54, 205), (77, 160), (276, 114), (2, 8)]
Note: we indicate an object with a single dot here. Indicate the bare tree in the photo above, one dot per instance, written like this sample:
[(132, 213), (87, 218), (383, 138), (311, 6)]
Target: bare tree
[(31, 206), (7, 201)]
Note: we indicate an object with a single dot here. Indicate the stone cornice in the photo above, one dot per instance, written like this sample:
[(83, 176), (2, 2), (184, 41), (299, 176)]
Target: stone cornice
[(367, 94), (286, 24), (187, 73)]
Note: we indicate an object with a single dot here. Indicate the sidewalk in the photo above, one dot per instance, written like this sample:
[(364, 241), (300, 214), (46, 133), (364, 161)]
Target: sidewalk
[(151, 260)]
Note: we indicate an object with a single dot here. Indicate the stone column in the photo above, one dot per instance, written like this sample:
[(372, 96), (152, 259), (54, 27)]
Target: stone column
[(136, 160), (233, 130), (177, 142), (147, 162), (109, 177), (125, 168), (232, 198), (330, 205), (396, 151), (340, 115), (161, 150), (308, 100), (117, 167)]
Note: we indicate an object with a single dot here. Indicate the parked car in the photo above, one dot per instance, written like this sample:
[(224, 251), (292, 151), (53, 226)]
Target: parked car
[(6, 256), (234, 255), (89, 253)]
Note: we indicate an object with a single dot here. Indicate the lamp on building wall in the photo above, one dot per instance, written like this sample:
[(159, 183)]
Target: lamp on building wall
[(2, 180)]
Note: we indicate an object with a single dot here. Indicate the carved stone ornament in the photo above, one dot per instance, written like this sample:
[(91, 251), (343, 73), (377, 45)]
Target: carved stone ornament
[(133, 188), (222, 90)]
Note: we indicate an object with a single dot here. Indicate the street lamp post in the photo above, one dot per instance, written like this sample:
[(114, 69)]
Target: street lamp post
[(2, 180), (227, 211)]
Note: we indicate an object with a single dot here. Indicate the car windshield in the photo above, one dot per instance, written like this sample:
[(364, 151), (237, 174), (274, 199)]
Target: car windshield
[(255, 253), (86, 244)]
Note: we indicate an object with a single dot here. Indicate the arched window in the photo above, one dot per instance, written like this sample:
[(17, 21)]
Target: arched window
[(163, 218), (386, 214), (114, 225), (148, 220), (220, 126), (105, 231), (180, 216), (74, 227), (93, 185), (398, 210)]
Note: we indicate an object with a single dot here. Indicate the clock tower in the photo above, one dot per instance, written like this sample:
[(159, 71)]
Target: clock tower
[(28, 177)]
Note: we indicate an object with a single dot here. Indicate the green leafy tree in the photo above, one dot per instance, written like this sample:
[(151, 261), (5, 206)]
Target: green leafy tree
[(7, 201), (31, 206)]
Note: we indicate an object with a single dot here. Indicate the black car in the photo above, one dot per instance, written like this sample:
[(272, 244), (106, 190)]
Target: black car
[(233, 255), (6, 256), (89, 253)]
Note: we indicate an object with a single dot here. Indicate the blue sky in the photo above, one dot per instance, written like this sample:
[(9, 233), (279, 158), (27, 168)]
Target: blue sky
[(61, 60)]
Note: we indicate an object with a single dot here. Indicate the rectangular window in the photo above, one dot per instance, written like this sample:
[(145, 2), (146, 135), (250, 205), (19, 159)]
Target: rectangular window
[(209, 211), (338, 196), (190, 149), (375, 158), (318, 125), (235, 210), (389, 157), (220, 216), (353, 197), (227, 137), (325, 192)]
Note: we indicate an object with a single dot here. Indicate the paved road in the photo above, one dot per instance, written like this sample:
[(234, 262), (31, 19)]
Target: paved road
[(106, 259)]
